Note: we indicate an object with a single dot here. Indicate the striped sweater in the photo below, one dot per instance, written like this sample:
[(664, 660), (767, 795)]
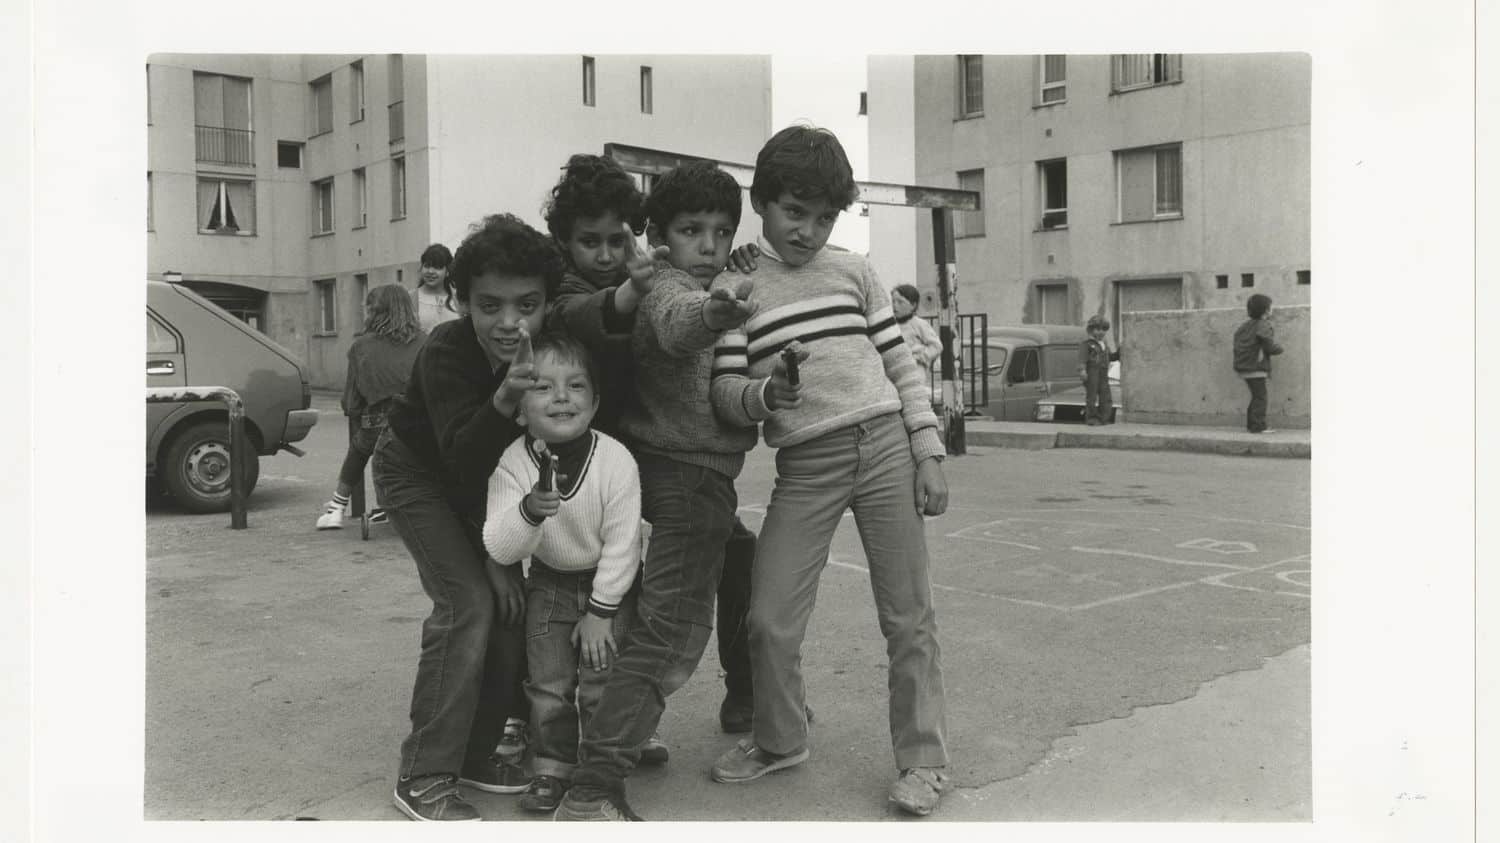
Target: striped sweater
[(858, 366), (597, 527)]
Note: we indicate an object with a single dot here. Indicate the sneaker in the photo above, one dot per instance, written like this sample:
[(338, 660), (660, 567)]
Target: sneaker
[(512, 743), (378, 516), (582, 804), (332, 517), (736, 713), (495, 775), (917, 790), (544, 794), (433, 798), (745, 762), (654, 751)]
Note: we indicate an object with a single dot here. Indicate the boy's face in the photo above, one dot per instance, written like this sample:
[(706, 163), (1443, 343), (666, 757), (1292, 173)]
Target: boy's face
[(597, 247), (699, 242), (1097, 332), (901, 306), (499, 305), (433, 277), (796, 228), (561, 405)]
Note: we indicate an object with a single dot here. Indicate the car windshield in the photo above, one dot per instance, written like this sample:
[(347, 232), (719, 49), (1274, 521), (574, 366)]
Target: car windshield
[(995, 366)]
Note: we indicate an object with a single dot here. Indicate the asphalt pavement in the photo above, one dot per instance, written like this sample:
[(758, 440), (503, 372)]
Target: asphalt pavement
[(1125, 636)]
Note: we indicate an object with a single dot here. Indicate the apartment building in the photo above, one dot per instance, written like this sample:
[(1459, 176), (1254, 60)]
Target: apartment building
[(285, 186), (1110, 183)]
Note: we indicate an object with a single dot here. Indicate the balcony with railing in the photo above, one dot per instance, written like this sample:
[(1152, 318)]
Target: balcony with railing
[(396, 111), (218, 145)]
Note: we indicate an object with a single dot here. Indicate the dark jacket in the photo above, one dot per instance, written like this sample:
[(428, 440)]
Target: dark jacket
[(378, 370), (447, 415), (1094, 356), (588, 313), (1254, 343)]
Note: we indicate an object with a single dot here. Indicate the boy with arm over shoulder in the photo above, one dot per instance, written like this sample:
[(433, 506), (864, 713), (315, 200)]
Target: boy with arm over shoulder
[(861, 436), (568, 497)]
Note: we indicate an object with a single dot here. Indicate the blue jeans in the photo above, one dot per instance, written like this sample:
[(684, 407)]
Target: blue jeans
[(733, 626), (563, 692), (361, 445), (691, 510), (868, 468), (1255, 414), (470, 670), (1097, 401)]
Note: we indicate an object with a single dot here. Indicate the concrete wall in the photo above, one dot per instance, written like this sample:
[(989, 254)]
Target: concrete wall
[(1243, 122), (1177, 367)]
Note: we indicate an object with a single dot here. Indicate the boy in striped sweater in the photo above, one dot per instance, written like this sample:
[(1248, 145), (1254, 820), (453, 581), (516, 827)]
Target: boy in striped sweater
[(569, 497), (862, 436)]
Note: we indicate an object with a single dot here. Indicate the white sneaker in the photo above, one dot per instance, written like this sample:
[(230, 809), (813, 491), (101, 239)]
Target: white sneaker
[(332, 517)]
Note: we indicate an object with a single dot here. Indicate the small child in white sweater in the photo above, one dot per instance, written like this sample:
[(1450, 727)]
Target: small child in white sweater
[(569, 497)]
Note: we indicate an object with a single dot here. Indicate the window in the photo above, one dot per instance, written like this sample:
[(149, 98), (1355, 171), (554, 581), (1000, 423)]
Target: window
[(1247, 279), (326, 291), (1149, 183), (1143, 70), (645, 90), (150, 204), (1054, 79), (1025, 366), (398, 187), (970, 223), (288, 154), (396, 96), (226, 206), (361, 198), (970, 86), (1052, 304), (1054, 183), (356, 92), (1221, 282), (588, 80), (221, 117), (361, 290), (159, 338), (1304, 276), (322, 106), (322, 206)]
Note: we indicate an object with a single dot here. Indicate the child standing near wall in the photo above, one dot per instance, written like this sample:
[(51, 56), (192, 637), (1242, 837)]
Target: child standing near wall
[(1254, 344), (1094, 355)]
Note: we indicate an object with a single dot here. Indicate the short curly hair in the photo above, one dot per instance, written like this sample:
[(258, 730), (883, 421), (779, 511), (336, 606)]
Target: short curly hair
[(1257, 306), (592, 185), (502, 243), (567, 348), (807, 162), (693, 187), (1097, 321)]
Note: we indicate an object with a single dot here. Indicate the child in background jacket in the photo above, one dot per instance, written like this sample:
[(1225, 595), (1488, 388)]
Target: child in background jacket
[(1254, 344), (1094, 356)]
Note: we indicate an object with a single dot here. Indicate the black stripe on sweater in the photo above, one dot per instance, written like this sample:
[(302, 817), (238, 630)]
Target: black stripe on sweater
[(805, 316), (807, 338)]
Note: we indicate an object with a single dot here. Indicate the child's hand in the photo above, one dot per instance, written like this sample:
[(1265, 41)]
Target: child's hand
[(931, 488), (541, 503), (725, 310), (595, 644), (642, 265), (781, 393), (510, 591), (743, 258), (519, 378)]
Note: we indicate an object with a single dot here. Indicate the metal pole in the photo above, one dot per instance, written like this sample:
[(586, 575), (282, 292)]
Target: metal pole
[(239, 445), (947, 278)]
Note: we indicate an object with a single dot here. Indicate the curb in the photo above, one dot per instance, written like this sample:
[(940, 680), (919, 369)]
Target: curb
[(1221, 445)]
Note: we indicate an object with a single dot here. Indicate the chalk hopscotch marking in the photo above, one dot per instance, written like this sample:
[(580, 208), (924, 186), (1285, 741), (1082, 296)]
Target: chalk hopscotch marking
[(1106, 551), (1223, 546), (1291, 577)]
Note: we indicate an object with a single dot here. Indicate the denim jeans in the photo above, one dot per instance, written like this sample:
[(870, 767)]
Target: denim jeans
[(691, 510), (470, 670), (866, 467), (733, 627), (1255, 414), (563, 692), (361, 445)]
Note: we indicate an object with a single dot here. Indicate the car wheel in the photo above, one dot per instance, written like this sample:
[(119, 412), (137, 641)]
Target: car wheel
[(196, 468)]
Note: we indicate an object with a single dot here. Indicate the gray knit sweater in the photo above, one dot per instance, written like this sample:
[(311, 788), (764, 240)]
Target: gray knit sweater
[(673, 351)]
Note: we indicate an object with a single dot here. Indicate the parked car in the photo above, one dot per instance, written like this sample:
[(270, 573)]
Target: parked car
[(1028, 363), (1067, 405), (192, 342)]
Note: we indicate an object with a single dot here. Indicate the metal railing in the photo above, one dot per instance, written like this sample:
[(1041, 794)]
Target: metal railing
[(239, 446), (218, 145)]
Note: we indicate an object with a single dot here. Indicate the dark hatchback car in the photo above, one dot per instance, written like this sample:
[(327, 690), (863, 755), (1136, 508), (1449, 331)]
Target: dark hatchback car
[(192, 342)]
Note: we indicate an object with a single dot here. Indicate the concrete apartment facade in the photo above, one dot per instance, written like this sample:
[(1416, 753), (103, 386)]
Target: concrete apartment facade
[(284, 187), (1110, 183)]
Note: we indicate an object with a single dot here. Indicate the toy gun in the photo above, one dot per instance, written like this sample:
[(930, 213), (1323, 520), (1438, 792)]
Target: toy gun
[(548, 471), (789, 360)]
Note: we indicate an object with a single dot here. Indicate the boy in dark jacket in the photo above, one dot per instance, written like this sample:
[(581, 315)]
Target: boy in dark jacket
[(1254, 343), (1093, 367)]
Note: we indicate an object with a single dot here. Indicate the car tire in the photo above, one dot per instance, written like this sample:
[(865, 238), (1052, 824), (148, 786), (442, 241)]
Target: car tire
[(195, 469)]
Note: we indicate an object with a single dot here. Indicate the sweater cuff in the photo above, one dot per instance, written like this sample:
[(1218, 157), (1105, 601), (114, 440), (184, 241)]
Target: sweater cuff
[(925, 443), (614, 321), (602, 610), (753, 399), (526, 515)]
